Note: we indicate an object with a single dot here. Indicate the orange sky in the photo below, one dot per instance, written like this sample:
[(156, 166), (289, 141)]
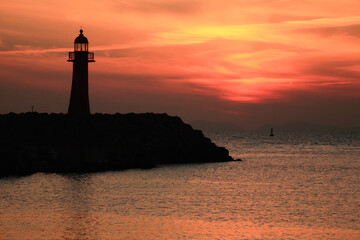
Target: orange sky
[(247, 62)]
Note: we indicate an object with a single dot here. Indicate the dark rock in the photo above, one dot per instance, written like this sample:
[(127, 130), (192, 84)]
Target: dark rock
[(33, 142)]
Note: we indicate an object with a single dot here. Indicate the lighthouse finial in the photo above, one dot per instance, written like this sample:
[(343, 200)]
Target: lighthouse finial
[(81, 31)]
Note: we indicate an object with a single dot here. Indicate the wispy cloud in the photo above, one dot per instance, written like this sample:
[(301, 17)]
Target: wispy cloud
[(231, 53)]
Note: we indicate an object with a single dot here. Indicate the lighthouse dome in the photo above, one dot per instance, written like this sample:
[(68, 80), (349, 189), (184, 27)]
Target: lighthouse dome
[(81, 38)]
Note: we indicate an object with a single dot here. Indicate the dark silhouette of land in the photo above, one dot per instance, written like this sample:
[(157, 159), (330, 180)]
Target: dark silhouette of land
[(41, 142)]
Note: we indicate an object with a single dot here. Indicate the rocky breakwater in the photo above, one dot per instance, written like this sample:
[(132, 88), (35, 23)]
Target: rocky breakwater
[(34, 142)]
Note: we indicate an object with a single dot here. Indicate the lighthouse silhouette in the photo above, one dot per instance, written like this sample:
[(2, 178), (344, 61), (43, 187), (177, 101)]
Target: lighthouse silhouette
[(79, 98)]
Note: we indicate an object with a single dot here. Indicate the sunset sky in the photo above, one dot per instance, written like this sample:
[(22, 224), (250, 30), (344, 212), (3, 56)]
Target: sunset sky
[(248, 62)]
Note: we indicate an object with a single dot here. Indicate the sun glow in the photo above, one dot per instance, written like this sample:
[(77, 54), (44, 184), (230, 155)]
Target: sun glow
[(204, 34)]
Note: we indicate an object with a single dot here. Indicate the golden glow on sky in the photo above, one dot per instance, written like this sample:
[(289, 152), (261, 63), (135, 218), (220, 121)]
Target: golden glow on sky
[(214, 60)]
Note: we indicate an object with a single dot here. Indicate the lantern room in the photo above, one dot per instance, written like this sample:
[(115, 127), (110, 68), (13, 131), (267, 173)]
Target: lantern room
[(81, 49)]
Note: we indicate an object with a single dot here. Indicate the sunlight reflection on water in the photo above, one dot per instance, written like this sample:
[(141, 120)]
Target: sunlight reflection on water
[(284, 188)]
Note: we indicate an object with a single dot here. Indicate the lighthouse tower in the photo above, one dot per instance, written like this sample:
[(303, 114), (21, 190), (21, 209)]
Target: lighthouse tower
[(79, 98)]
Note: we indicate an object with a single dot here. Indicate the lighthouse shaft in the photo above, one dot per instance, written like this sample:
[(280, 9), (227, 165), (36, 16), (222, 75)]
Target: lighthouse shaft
[(79, 98)]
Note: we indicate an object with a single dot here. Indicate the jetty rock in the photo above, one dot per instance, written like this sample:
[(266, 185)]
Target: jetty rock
[(41, 142)]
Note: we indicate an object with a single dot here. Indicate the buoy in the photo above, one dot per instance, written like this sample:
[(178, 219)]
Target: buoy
[(272, 132)]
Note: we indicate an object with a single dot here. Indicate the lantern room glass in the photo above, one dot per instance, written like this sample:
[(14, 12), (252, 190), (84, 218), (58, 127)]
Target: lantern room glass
[(81, 47)]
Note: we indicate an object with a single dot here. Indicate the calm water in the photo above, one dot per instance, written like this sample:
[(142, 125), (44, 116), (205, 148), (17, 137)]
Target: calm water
[(291, 186)]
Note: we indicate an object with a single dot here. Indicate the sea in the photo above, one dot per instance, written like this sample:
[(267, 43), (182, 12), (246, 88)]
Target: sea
[(295, 185)]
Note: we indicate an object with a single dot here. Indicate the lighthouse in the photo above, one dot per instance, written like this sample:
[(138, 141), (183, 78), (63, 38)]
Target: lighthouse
[(79, 98)]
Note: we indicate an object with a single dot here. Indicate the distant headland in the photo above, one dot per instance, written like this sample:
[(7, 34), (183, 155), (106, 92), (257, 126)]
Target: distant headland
[(41, 142)]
